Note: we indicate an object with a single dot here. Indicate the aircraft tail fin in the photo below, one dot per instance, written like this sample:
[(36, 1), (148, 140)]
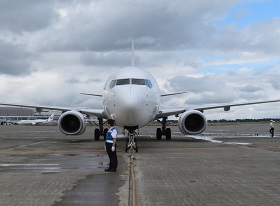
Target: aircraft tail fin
[(132, 52), (50, 119)]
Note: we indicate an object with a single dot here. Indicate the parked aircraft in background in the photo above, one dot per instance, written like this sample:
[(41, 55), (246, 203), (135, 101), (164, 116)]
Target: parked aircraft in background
[(36, 121), (131, 97)]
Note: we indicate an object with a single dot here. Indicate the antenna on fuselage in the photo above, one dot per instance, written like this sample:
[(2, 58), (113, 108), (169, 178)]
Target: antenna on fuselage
[(132, 52)]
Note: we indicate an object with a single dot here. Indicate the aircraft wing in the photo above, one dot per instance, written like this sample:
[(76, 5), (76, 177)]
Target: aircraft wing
[(228, 106), (170, 112), (93, 112)]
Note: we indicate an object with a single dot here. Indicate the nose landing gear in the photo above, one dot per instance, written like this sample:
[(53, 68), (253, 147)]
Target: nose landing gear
[(131, 141)]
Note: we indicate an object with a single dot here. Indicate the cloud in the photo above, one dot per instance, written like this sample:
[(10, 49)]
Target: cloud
[(119, 59), (50, 51), (156, 25), (260, 37), (15, 59), (27, 15)]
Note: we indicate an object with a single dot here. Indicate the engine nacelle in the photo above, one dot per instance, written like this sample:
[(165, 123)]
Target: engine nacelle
[(192, 122), (72, 123)]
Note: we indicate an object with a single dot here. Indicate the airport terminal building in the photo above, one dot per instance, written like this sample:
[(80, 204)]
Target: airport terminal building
[(11, 114), (17, 113), (13, 111)]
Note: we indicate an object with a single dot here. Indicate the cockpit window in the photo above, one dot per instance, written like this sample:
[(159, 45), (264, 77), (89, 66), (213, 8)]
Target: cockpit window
[(122, 81), (116, 82), (138, 81), (148, 83), (112, 84)]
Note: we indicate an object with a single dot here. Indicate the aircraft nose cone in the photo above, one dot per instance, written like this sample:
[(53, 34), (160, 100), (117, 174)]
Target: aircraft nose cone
[(130, 106), (130, 101)]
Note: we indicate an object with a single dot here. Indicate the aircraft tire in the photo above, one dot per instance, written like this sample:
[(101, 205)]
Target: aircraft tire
[(126, 144), (168, 133), (96, 134), (159, 133)]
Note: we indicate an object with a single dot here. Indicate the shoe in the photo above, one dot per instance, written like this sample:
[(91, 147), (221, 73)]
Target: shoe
[(107, 170), (112, 170)]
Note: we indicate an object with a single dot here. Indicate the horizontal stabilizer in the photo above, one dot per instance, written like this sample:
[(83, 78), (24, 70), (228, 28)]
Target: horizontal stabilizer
[(164, 95), (96, 95)]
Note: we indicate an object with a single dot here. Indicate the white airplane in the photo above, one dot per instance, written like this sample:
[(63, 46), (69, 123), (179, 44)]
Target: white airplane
[(131, 97), (36, 121)]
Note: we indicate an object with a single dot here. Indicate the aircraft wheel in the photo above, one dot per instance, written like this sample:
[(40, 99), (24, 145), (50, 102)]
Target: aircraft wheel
[(126, 144), (96, 134), (159, 133), (168, 133), (136, 146)]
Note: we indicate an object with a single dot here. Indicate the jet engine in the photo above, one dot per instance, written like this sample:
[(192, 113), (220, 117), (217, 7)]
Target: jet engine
[(192, 122), (72, 123)]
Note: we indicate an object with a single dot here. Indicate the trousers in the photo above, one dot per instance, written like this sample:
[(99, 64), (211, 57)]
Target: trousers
[(271, 132), (112, 156)]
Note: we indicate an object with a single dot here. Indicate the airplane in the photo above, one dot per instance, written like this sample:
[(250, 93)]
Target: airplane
[(35, 121), (131, 97)]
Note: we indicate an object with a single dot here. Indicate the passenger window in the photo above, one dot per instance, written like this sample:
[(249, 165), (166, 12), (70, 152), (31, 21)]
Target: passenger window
[(122, 81), (138, 81)]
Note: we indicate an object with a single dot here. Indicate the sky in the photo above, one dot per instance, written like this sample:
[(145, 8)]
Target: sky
[(219, 52)]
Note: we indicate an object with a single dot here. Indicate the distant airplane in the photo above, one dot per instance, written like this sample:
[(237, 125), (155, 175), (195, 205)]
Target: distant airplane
[(35, 121), (131, 97)]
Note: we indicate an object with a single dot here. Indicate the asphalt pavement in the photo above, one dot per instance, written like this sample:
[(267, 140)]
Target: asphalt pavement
[(230, 164)]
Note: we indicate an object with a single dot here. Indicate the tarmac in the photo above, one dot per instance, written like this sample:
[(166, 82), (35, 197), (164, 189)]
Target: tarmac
[(229, 164)]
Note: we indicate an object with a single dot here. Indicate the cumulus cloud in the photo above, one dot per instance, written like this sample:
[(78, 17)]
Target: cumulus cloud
[(156, 25), (14, 59), (67, 47), (26, 15)]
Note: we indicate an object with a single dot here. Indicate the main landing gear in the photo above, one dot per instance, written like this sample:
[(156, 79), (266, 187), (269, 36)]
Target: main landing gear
[(131, 141), (163, 130), (100, 132)]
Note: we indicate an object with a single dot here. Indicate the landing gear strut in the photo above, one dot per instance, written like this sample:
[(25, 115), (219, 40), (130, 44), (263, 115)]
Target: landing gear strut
[(131, 141), (163, 130), (100, 132)]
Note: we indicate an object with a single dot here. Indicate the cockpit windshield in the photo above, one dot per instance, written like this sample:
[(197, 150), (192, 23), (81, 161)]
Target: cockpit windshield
[(138, 81), (117, 82), (122, 81)]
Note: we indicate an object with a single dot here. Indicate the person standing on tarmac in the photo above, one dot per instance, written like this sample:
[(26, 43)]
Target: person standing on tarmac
[(111, 139), (271, 128)]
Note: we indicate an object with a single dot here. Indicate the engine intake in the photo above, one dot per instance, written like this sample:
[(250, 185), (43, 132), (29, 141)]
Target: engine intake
[(72, 123), (192, 122)]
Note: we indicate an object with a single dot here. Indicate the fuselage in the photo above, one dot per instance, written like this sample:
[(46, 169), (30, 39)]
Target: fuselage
[(131, 97), (37, 121)]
